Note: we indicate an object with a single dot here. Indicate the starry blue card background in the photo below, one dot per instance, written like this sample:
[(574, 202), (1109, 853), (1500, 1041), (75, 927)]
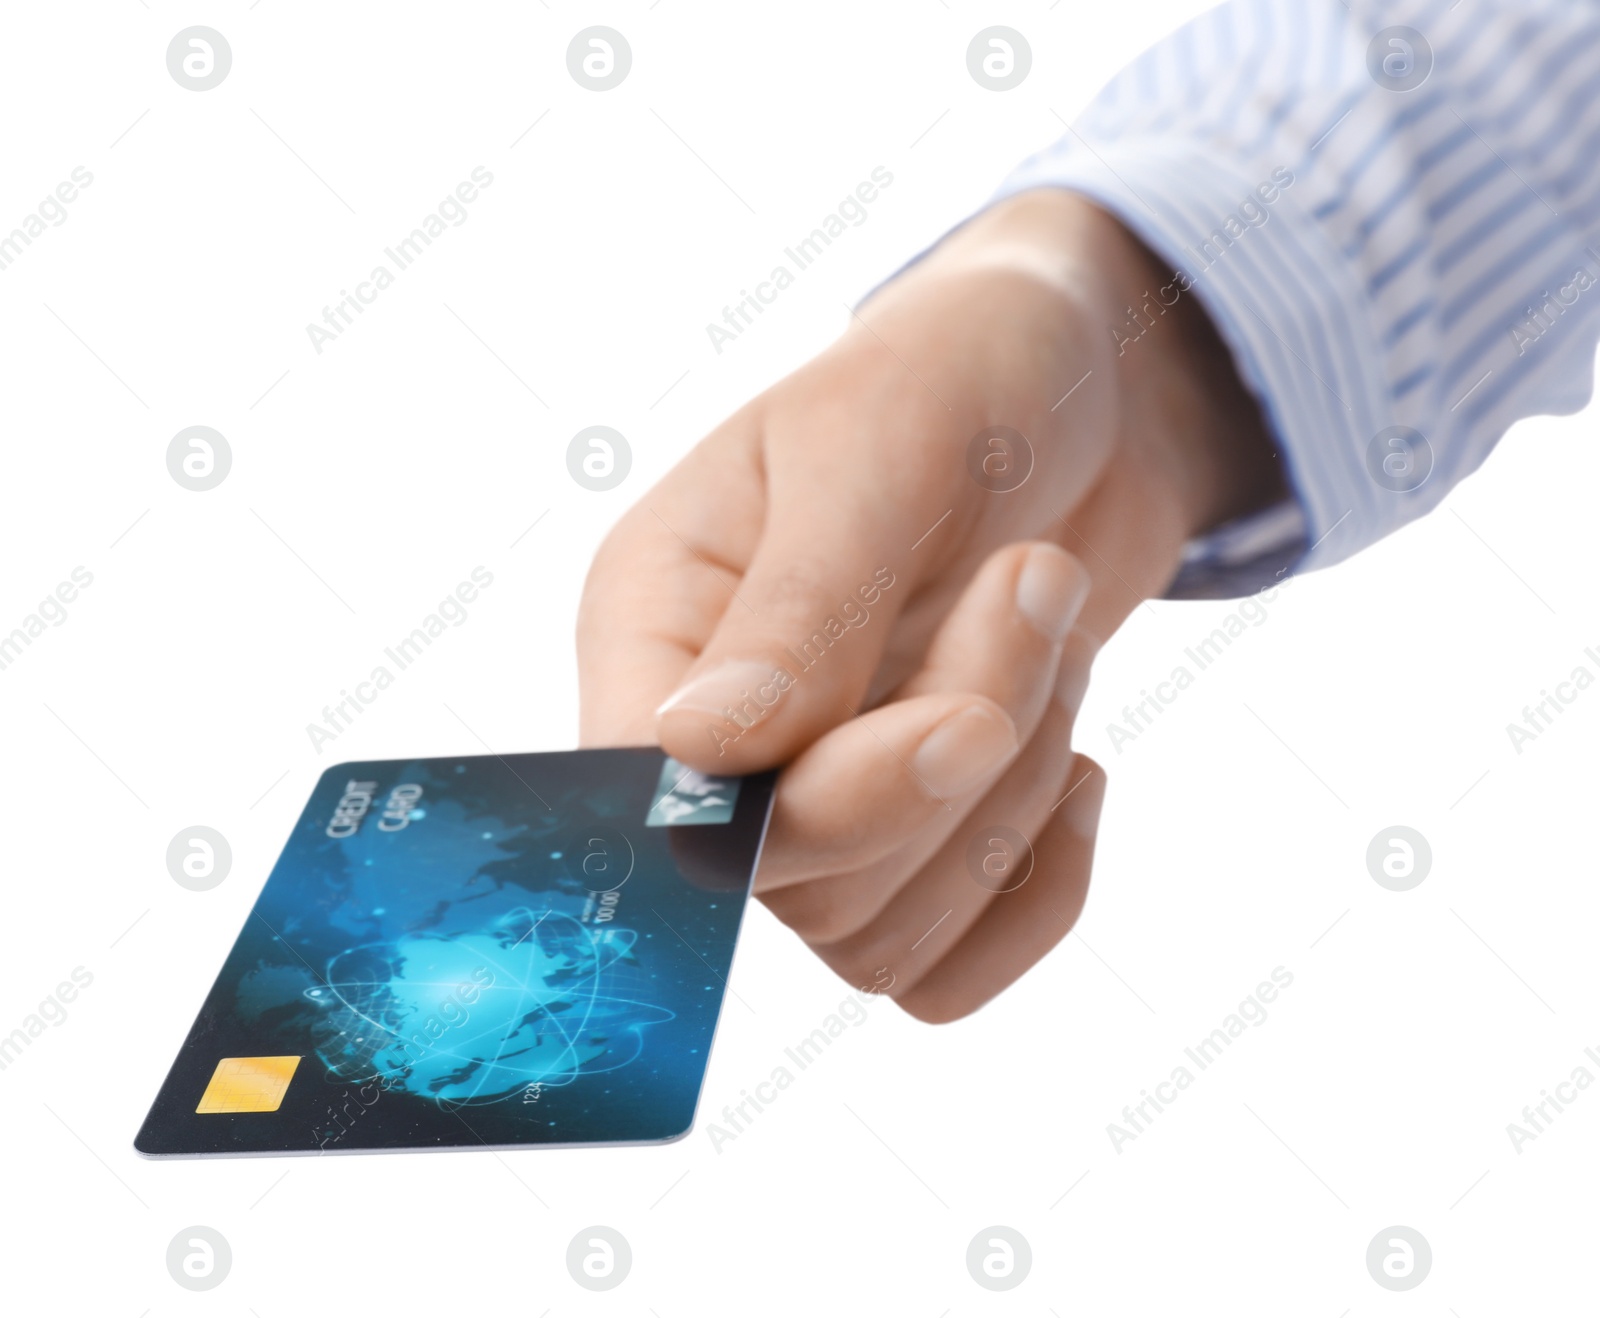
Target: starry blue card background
[(523, 961)]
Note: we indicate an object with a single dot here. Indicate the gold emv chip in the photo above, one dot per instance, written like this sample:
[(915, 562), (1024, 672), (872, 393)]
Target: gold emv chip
[(248, 1084)]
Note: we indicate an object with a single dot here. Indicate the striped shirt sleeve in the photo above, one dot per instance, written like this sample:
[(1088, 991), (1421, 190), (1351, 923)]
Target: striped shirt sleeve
[(1389, 212)]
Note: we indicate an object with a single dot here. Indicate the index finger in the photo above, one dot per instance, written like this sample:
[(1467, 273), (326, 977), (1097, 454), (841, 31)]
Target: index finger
[(661, 582)]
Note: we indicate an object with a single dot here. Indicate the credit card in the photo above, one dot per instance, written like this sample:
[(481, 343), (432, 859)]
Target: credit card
[(480, 952)]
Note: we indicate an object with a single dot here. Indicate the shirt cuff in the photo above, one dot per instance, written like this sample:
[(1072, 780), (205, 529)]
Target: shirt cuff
[(1295, 318), (1243, 556)]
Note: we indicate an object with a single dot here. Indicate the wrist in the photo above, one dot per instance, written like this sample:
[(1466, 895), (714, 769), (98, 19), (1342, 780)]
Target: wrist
[(1182, 408), (1184, 404)]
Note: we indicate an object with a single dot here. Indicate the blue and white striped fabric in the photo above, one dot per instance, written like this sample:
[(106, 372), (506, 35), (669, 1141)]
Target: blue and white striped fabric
[(1373, 257)]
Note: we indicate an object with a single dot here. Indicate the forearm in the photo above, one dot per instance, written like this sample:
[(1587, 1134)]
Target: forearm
[(1389, 227)]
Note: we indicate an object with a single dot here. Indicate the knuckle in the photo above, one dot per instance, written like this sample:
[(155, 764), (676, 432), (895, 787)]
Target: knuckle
[(820, 918), (939, 1004), (793, 592), (871, 947)]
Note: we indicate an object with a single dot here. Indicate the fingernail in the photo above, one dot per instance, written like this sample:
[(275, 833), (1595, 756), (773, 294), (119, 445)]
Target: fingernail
[(965, 750), (1080, 810), (730, 684), (1050, 591)]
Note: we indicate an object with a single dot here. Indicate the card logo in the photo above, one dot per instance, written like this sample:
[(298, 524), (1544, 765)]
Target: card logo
[(687, 796)]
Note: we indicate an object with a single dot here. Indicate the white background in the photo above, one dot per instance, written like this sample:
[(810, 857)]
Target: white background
[(368, 480)]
